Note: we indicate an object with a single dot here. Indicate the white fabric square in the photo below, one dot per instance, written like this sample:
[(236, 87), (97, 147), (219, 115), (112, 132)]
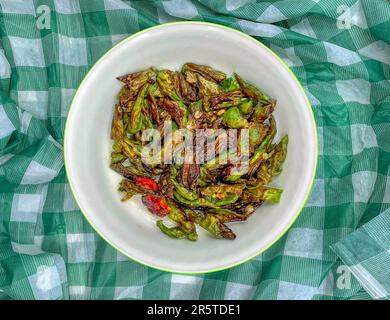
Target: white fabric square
[(70, 203), (271, 14), (128, 292), (67, 6), (37, 174), (6, 126), (363, 185), (27, 52), (5, 68), (66, 100), (288, 56), (79, 292), (317, 194), (386, 197), (72, 51), (18, 6), (35, 102), (46, 283), (235, 4), (238, 291), (378, 50), (304, 242), (340, 56), (259, 29), (362, 136), (25, 207), (180, 8), (116, 5), (81, 247), (163, 17), (185, 287), (293, 291), (355, 90), (304, 27)]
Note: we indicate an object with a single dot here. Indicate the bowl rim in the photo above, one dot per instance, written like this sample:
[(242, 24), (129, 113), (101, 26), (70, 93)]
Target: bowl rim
[(283, 65)]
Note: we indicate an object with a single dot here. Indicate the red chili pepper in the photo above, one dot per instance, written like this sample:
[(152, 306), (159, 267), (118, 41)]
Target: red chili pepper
[(156, 205), (146, 183)]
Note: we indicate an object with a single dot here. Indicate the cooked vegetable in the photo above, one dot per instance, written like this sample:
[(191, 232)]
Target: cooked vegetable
[(232, 182)]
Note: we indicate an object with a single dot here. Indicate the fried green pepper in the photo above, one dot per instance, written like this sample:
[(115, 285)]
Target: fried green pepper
[(184, 192), (266, 193), (117, 126), (207, 87), (175, 232), (273, 166), (251, 91), (246, 106), (135, 81), (233, 118), (117, 157), (229, 84), (135, 121), (205, 71), (232, 182), (216, 228)]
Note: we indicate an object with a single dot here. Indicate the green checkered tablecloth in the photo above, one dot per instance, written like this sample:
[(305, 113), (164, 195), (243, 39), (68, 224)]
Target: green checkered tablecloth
[(367, 254), (339, 50)]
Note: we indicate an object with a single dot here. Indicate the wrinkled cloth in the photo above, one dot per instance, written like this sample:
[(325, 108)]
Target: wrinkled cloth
[(366, 252), (338, 49)]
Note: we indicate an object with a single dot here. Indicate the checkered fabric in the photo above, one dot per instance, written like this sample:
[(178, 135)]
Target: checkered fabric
[(339, 50), (366, 252)]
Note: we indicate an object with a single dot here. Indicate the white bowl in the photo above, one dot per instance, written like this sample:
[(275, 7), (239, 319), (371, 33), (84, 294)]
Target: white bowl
[(128, 226)]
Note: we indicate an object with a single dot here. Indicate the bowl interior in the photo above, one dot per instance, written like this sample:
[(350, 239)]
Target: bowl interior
[(129, 226)]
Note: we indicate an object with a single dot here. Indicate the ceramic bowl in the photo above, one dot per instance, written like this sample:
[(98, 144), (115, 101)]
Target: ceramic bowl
[(128, 226)]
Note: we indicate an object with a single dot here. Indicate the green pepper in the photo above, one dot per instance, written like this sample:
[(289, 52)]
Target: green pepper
[(196, 107), (220, 211), (117, 146), (197, 97), (175, 232), (135, 81), (235, 173), (215, 227), (266, 193), (117, 157), (155, 91), (257, 133), (246, 106), (135, 121), (117, 125), (218, 161), (205, 71), (227, 215), (232, 118), (166, 83), (200, 202), (229, 84), (278, 157), (222, 190), (273, 166), (189, 195), (177, 215), (201, 182), (259, 155), (229, 199), (207, 87), (251, 91), (261, 113)]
